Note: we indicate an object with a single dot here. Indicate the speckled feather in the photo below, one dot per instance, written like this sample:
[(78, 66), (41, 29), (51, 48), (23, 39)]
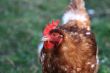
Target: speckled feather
[(78, 51)]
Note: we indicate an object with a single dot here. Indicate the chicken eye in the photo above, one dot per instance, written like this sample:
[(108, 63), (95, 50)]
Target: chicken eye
[(54, 34)]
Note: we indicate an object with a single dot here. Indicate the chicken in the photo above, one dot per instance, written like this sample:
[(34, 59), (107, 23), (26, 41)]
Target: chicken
[(70, 47)]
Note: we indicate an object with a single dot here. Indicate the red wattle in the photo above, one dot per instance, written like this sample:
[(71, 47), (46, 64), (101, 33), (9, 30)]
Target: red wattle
[(48, 45)]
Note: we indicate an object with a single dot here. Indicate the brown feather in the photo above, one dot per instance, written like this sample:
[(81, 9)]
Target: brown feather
[(78, 51)]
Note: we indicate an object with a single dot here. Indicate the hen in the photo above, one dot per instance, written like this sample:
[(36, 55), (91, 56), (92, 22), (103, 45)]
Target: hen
[(70, 47)]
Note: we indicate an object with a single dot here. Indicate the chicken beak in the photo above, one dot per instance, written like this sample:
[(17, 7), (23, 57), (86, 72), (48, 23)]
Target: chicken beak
[(44, 38)]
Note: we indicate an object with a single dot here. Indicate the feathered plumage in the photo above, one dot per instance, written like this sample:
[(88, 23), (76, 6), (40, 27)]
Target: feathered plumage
[(70, 47)]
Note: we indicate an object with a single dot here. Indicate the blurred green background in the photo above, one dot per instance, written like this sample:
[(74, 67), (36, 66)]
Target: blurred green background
[(21, 25)]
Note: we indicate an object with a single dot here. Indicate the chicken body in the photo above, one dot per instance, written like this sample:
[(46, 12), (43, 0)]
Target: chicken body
[(77, 53)]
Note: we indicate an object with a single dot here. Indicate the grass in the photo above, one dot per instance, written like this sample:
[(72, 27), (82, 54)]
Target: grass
[(101, 28)]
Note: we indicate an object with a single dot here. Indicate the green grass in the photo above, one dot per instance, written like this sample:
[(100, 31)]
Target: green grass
[(101, 28), (21, 24)]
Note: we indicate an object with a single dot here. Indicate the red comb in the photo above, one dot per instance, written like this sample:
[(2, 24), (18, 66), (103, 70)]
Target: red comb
[(50, 26)]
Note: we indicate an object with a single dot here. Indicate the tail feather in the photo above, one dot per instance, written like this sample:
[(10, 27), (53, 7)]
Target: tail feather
[(77, 4), (77, 11)]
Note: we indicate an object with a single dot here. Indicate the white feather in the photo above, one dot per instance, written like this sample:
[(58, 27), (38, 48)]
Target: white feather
[(71, 15), (40, 46)]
